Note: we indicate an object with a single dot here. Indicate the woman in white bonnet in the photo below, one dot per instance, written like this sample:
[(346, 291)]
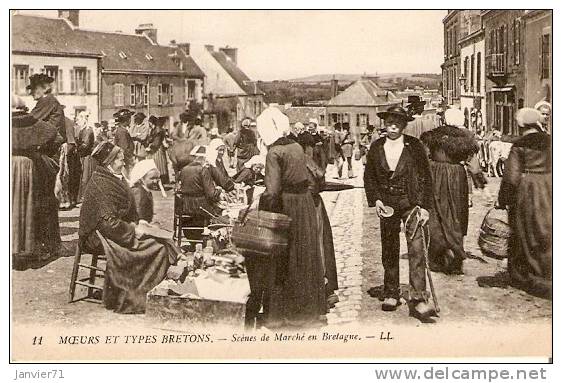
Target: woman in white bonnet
[(144, 175)]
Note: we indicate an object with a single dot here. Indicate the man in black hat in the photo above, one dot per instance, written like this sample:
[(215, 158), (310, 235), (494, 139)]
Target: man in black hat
[(397, 175), (121, 135), (415, 105), (48, 108)]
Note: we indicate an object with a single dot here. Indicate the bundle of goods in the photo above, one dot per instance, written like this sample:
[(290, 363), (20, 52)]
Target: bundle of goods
[(494, 234)]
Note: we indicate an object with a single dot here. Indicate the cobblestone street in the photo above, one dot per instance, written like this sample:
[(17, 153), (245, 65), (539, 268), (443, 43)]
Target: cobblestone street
[(40, 295)]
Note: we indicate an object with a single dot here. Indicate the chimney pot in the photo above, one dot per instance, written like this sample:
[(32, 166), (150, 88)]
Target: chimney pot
[(334, 87), (149, 31), (72, 15), (232, 53)]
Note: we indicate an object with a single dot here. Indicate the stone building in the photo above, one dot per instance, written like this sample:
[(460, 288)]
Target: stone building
[(538, 56)]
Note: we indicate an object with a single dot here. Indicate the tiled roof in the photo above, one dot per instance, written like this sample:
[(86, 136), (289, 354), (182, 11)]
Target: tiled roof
[(249, 86), (44, 35), (119, 51), (303, 113), (363, 92)]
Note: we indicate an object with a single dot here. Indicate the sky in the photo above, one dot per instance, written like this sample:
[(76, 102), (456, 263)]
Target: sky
[(278, 45)]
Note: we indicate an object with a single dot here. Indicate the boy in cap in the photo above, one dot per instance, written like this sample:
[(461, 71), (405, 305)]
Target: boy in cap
[(397, 175)]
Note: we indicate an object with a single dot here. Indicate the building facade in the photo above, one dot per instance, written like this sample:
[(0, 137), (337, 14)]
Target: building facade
[(359, 104), (140, 75), (538, 56), (505, 68), (472, 78), (451, 63), (48, 45), (229, 94)]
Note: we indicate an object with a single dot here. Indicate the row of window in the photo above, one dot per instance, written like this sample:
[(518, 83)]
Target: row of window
[(138, 94), (79, 78), (361, 119), (471, 71)]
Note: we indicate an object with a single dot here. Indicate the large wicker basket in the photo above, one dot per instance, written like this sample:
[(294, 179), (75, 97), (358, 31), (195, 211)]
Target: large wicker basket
[(494, 234), (261, 232)]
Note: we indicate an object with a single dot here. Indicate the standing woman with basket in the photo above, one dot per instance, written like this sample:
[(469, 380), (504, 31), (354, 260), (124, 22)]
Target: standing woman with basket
[(298, 298), (526, 190)]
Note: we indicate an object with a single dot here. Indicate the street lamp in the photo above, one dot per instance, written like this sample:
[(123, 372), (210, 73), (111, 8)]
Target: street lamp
[(462, 81)]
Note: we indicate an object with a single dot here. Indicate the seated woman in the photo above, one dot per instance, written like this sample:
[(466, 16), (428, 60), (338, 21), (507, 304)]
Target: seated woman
[(251, 175), (215, 155), (197, 186), (144, 175), (136, 262)]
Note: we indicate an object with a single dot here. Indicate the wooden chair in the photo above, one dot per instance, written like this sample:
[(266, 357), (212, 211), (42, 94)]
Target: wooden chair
[(96, 270), (190, 227)]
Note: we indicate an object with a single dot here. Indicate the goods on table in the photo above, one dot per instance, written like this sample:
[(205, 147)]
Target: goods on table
[(494, 234)]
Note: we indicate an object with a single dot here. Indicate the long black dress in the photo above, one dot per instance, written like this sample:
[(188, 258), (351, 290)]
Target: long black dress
[(448, 224), (526, 189), (35, 223), (298, 298)]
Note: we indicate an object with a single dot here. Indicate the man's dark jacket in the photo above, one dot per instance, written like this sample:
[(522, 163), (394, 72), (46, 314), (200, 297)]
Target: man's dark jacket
[(413, 167)]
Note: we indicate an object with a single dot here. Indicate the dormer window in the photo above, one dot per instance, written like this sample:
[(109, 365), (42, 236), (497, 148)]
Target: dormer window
[(149, 57), (122, 55)]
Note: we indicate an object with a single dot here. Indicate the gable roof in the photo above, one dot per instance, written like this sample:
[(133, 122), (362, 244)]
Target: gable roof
[(363, 92), (118, 51), (243, 81), (42, 35)]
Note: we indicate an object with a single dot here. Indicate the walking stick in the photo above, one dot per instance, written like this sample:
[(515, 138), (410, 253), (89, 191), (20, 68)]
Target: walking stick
[(425, 258)]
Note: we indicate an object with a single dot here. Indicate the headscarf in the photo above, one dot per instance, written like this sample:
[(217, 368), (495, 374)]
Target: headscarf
[(528, 118), (272, 125), (140, 169), (454, 117), (212, 150), (255, 160)]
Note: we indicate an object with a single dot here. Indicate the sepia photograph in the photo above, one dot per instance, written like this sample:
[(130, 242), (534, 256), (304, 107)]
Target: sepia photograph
[(280, 184)]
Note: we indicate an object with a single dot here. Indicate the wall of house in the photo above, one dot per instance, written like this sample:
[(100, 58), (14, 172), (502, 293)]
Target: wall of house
[(474, 97), (172, 110), (537, 88), (505, 93), (217, 80), (72, 102), (451, 62), (353, 111)]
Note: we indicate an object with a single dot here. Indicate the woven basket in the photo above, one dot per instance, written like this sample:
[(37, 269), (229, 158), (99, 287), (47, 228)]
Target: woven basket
[(261, 233), (494, 234)]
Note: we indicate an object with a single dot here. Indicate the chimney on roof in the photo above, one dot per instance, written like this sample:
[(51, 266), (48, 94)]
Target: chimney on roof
[(184, 47), (232, 53), (333, 87), (149, 31), (173, 43), (72, 15), (210, 47)]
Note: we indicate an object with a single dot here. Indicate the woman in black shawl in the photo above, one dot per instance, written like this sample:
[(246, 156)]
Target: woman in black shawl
[(449, 147), (526, 189), (136, 261), (35, 221)]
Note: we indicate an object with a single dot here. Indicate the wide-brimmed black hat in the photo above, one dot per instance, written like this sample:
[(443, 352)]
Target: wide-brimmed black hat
[(122, 115), (39, 79), (397, 111), (415, 100)]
